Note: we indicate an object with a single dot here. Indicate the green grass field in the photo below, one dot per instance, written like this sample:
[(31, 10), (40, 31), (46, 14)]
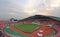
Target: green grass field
[(28, 28)]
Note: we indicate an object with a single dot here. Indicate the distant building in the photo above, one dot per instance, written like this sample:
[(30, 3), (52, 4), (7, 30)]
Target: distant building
[(13, 20)]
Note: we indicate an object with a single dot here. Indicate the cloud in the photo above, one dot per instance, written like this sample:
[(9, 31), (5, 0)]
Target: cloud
[(45, 7), (55, 3), (11, 9), (24, 8), (55, 12)]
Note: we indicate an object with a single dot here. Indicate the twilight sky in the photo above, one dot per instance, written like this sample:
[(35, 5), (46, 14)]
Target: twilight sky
[(20, 9)]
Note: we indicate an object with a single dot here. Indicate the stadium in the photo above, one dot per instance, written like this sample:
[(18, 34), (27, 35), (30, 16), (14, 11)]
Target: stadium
[(34, 26)]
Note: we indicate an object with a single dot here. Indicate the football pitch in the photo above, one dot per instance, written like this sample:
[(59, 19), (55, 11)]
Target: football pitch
[(28, 28)]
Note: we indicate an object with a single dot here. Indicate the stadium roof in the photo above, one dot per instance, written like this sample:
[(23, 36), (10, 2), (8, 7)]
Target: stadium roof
[(41, 17)]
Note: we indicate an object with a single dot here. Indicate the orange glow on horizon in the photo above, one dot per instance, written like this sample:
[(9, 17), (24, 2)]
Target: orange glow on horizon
[(46, 13)]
